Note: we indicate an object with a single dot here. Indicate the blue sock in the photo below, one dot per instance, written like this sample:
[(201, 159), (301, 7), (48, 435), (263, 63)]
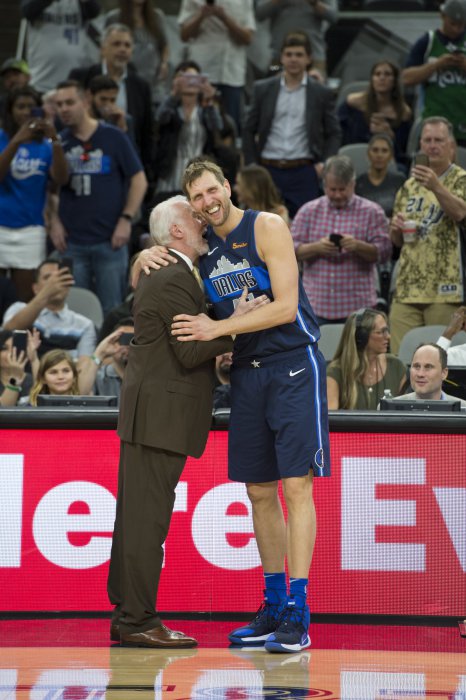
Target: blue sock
[(275, 588), (298, 591)]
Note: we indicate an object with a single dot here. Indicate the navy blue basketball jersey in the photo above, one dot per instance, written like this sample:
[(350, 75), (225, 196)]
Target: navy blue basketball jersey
[(232, 264)]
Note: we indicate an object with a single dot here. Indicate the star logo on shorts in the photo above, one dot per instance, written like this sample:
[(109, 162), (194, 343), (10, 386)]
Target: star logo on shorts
[(255, 364)]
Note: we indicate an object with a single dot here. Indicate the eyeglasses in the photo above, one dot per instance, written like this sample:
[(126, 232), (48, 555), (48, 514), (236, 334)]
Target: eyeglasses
[(383, 331)]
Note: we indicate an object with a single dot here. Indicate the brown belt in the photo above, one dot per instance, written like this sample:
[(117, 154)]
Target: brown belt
[(285, 164)]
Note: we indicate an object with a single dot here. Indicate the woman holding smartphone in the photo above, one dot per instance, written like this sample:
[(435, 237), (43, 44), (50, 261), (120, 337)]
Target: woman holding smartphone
[(15, 381), (30, 155), (379, 109)]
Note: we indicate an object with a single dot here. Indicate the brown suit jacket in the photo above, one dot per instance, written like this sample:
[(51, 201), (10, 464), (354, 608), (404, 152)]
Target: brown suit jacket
[(166, 397)]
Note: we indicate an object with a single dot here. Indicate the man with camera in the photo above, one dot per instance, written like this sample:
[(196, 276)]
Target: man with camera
[(437, 62), (427, 217), (340, 237), (47, 312)]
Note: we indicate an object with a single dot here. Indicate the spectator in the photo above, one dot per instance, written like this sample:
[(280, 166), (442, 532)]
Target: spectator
[(133, 92), (103, 94), (15, 75), (429, 284), (340, 237), (121, 313), (8, 294), (57, 39), (218, 34), (379, 183), (47, 312), (100, 200), (362, 370), (103, 372), (291, 125), (188, 125), (57, 375), (151, 51), (379, 109), (427, 371), (30, 154), (49, 105), (437, 62), (255, 189), (456, 354), (15, 381), (222, 391), (311, 16)]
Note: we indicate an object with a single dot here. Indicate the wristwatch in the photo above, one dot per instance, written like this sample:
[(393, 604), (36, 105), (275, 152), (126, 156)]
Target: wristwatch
[(126, 216), (97, 360)]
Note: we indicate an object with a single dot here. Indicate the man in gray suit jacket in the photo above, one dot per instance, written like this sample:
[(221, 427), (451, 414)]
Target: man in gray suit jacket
[(291, 126), (427, 372), (165, 415)]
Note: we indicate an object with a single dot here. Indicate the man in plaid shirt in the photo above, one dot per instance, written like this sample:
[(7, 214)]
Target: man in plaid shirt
[(340, 238)]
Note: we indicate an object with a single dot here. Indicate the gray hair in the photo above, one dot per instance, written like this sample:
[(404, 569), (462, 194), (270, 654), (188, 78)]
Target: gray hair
[(438, 120), (116, 27), (340, 167), (162, 218)]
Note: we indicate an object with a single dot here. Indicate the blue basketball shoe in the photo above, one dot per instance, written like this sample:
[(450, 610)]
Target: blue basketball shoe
[(261, 627), (292, 633)]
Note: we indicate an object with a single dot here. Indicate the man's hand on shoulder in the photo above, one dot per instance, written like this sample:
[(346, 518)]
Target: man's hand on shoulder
[(150, 259)]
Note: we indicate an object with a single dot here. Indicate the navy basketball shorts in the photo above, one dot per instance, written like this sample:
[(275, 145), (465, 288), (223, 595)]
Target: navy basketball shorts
[(278, 422)]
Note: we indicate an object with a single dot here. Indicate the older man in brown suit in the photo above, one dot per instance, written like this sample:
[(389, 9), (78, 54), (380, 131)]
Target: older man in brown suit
[(165, 415)]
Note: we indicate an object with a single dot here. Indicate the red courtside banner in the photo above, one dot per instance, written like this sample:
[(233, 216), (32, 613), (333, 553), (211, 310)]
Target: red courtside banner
[(391, 533)]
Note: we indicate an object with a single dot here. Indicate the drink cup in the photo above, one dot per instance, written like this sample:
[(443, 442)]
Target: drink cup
[(409, 231)]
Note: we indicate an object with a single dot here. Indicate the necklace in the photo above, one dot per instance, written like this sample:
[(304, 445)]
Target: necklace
[(372, 375)]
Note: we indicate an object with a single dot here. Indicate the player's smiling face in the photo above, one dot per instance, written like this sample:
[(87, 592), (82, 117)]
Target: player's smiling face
[(210, 198)]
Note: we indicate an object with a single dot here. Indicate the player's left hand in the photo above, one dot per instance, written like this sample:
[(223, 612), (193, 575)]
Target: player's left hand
[(245, 305), (199, 327)]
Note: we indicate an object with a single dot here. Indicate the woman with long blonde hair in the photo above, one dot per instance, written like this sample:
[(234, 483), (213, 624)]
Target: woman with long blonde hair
[(362, 369)]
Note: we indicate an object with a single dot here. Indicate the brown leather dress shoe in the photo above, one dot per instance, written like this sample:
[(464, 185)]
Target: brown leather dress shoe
[(159, 637), (114, 632)]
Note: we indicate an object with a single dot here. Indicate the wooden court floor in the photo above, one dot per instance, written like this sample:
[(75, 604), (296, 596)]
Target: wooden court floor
[(73, 660)]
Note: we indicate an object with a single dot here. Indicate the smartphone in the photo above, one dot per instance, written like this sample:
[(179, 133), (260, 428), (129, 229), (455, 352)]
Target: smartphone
[(38, 112), (20, 341), (66, 262), (335, 238), (193, 79), (421, 159), (125, 338)]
